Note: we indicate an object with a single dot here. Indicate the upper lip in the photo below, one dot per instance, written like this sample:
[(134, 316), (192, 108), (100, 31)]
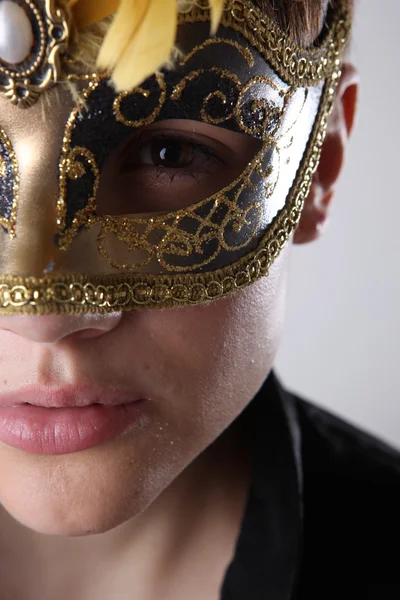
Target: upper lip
[(68, 396)]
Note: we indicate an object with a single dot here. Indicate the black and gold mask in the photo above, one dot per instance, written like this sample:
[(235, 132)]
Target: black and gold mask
[(118, 237)]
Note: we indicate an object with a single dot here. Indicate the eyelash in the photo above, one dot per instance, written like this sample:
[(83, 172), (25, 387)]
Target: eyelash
[(197, 146)]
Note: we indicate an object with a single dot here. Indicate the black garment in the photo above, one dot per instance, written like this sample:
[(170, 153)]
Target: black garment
[(322, 518)]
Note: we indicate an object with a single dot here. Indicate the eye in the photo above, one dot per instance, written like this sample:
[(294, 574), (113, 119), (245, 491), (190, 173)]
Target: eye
[(172, 154), (171, 166), (168, 152)]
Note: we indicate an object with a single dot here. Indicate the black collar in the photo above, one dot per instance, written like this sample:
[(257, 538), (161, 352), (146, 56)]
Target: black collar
[(267, 556)]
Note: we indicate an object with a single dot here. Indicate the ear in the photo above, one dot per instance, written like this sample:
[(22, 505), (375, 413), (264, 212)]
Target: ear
[(316, 208)]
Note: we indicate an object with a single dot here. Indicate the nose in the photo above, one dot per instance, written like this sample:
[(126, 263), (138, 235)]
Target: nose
[(49, 329), (36, 144)]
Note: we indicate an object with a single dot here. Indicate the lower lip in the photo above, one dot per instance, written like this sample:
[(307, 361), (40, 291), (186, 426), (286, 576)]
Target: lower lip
[(65, 430)]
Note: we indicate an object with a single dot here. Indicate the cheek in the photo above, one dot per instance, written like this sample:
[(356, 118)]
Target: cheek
[(210, 360)]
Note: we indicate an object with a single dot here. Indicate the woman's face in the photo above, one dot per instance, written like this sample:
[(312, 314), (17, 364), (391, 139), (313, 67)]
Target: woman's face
[(196, 367)]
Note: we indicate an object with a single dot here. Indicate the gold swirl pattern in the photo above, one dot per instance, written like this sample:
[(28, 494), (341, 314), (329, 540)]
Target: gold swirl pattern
[(245, 52), (189, 239), (208, 232), (223, 74), (79, 294), (78, 163), (68, 167), (118, 109)]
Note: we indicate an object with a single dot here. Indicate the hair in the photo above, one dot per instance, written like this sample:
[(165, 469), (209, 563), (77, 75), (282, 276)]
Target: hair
[(302, 20)]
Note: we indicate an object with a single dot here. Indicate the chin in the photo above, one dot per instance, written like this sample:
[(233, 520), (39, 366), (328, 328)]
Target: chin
[(40, 524), (80, 495), (49, 517)]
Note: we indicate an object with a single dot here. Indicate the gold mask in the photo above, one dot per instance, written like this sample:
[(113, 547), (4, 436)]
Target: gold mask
[(92, 244)]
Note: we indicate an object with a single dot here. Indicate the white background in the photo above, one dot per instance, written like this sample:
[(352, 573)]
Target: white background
[(341, 346)]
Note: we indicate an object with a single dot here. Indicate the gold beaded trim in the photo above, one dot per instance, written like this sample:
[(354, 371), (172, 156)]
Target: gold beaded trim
[(103, 294), (296, 66)]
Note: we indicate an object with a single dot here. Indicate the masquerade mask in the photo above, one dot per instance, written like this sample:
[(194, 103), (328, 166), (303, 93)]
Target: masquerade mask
[(150, 207)]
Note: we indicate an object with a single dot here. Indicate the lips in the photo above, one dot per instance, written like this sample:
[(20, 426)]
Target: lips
[(66, 419), (69, 396)]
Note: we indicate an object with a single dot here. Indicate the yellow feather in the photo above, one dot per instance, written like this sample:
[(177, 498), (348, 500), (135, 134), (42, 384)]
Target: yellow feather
[(141, 37), (123, 28), (87, 12), (152, 41), (217, 8)]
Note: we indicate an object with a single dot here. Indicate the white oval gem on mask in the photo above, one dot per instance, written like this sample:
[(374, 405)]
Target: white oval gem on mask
[(16, 35)]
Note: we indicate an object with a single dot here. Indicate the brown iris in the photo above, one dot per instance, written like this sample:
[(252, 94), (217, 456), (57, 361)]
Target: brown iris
[(162, 152)]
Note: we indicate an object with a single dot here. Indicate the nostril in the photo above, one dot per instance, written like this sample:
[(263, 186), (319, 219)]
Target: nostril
[(50, 329), (85, 334)]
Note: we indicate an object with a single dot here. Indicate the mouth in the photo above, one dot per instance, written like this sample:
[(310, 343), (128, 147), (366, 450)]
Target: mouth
[(67, 419), (69, 396)]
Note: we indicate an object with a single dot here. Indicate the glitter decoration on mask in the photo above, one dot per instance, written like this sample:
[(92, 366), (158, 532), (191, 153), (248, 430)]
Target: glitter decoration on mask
[(9, 185), (272, 90), (192, 238)]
